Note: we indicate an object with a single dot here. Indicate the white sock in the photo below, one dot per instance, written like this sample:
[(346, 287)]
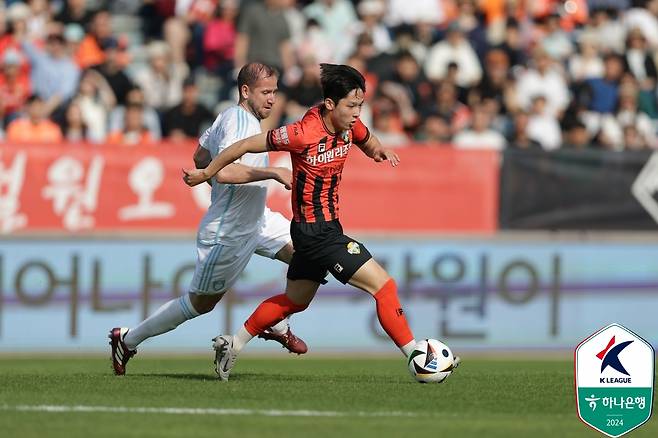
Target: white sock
[(408, 348), (282, 327), (169, 316), (241, 338)]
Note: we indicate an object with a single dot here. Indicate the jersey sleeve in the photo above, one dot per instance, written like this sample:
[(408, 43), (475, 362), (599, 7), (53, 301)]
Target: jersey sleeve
[(226, 130), (287, 138), (360, 133)]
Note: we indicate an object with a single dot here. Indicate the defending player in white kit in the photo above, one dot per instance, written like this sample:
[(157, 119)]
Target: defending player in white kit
[(236, 225)]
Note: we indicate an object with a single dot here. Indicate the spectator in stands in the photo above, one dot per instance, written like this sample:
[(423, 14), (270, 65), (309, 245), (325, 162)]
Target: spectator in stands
[(76, 12), (162, 80), (34, 127), (74, 127), (316, 44), (37, 22), (113, 72), (513, 43), (370, 13), (577, 136), (401, 12), (613, 125), (54, 74), (134, 132), (305, 93), (91, 52), (543, 78), (604, 91), (520, 138), (95, 99), (17, 15), (410, 77), (335, 18), (480, 135), (640, 60), (633, 140), (388, 125), (496, 82), (264, 36), (15, 87), (446, 105), (434, 130), (186, 120), (586, 63), (454, 49), (555, 41), (608, 31), (469, 20), (644, 16), (219, 44), (543, 126), (150, 118)]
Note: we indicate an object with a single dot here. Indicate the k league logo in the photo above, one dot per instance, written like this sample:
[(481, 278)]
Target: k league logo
[(614, 377)]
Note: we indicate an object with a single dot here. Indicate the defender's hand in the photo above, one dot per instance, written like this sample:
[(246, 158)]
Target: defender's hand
[(193, 177)]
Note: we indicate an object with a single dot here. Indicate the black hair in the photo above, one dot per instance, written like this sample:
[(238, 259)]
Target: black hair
[(339, 80), (250, 73)]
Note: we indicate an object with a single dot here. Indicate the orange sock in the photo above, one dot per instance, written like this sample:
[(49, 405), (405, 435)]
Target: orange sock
[(390, 314), (270, 312)]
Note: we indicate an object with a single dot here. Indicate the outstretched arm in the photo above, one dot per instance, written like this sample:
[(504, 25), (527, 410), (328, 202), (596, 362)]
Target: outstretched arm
[(374, 149), (255, 144), (236, 173)]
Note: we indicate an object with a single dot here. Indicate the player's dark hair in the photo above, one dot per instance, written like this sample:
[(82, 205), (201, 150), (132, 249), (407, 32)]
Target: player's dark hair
[(339, 80), (250, 73)]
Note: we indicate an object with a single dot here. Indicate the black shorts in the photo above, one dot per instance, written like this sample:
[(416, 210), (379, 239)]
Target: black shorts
[(322, 247)]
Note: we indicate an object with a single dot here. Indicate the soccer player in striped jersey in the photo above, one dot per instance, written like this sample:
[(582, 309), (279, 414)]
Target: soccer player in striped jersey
[(318, 144), (236, 225)]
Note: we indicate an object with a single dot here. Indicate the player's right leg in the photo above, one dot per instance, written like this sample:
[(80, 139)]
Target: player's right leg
[(303, 282), (274, 242), (206, 291)]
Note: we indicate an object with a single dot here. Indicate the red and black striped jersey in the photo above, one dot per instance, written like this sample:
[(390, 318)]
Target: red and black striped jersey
[(318, 156)]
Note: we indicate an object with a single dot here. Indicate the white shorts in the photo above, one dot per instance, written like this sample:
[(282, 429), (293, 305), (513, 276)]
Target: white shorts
[(218, 267)]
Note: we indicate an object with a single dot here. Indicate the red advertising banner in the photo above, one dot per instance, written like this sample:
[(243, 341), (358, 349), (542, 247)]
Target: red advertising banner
[(78, 188)]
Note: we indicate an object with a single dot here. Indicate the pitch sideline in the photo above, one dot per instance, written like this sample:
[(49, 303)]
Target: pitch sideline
[(201, 411)]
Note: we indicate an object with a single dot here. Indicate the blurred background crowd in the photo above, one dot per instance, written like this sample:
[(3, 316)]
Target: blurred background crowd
[(540, 74)]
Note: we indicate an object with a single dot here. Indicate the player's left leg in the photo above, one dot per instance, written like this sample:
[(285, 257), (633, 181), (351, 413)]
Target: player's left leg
[(374, 279), (275, 243), (350, 262)]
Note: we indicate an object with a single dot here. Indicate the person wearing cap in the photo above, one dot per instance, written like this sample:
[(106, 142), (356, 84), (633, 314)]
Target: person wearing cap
[(34, 127), (15, 87), (112, 70)]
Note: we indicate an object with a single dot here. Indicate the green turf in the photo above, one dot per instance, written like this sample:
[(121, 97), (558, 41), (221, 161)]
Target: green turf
[(483, 398)]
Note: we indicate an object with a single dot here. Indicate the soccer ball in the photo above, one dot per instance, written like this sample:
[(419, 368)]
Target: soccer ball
[(431, 361)]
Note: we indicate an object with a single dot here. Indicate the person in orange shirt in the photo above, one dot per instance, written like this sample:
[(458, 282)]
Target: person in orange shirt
[(15, 87), (35, 127), (134, 132)]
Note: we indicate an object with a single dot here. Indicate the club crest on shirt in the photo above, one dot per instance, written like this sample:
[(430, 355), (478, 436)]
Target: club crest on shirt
[(345, 136), (353, 248), (322, 146)]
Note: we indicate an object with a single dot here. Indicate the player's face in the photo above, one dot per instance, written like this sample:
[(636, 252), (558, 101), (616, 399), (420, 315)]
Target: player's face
[(262, 96), (344, 114)]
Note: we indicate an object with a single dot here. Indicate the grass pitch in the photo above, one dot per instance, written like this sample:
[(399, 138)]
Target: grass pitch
[(284, 397)]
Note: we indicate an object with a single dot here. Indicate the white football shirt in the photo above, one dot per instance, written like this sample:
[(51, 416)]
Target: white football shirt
[(236, 210)]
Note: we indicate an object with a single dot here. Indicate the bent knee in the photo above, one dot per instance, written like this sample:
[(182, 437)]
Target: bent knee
[(204, 303)]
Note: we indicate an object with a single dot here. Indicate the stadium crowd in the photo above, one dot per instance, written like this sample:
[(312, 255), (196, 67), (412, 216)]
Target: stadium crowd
[(537, 74)]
